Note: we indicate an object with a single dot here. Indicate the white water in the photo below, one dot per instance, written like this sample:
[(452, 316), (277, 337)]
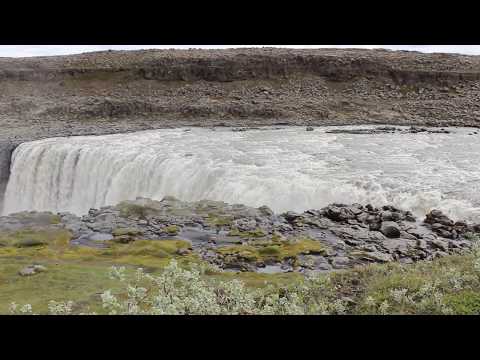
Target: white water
[(287, 169)]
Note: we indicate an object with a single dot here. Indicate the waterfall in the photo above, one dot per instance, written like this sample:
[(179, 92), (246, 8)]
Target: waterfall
[(287, 169)]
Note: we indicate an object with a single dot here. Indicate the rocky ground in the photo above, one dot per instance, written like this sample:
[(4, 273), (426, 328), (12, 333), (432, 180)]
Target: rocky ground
[(240, 238), (122, 91)]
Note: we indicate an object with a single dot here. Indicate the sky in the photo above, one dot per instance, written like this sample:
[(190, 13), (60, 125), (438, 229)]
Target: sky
[(47, 50)]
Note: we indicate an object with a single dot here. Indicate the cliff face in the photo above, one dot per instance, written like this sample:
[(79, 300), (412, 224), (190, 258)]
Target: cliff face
[(247, 64), (147, 89)]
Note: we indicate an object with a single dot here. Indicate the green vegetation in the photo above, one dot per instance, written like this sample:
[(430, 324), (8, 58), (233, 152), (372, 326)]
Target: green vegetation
[(472, 237), (449, 285), (29, 238), (126, 231), (130, 210), (219, 220), (273, 250), (172, 229)]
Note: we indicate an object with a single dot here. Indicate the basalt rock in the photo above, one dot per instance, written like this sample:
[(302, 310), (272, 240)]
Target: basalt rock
[(335, 237), (390, 229), (445, 227)]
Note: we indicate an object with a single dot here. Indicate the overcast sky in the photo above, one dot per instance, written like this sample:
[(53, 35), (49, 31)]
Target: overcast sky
[(45, 50)]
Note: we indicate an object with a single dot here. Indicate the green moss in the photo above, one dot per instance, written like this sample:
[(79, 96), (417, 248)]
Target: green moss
[(126, 231), (28, 237), (303, 246), (219, 220), (234, 232), (172, 229), (133, 210), (271, 251), (55, 219), (268, 251), (248, 253)]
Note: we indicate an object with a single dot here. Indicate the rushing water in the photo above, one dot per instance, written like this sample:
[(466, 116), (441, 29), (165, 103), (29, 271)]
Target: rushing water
[(286, 169)]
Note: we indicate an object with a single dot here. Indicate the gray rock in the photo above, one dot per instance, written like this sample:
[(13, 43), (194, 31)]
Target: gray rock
[(440, 244), (422, 244), (406, 235), (390, 229), (32, 270), (340, 262), (265, 210), (376, 256), (100, 237), (386, 216)]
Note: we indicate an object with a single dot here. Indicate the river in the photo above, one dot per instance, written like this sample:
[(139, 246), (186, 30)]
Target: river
[(286, 169)]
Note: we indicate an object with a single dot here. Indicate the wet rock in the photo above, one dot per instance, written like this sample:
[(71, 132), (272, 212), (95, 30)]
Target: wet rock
[(338, 213), (291, 216), (375, 226), (386, 216), (390, 229), (436, 216), (309, 128), (266, 211)]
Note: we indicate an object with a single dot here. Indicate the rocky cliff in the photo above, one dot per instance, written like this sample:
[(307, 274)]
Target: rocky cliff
[(121, 91), (242, 86)]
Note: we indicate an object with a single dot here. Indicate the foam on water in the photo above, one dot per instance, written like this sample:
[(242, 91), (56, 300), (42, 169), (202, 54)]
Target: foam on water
[(286, 169)]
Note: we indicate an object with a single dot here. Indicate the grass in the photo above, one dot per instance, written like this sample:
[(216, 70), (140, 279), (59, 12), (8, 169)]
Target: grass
[(377, 282), (75, 272), (80, 274)]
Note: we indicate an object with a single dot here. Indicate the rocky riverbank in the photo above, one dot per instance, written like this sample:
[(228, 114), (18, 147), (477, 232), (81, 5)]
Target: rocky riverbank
[(241, 238)]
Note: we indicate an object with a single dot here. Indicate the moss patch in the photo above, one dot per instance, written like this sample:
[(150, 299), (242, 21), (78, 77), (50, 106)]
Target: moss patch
[(126, 231), (277, 251), (219, 220), (28, 238), (172, 229), (129, 210)]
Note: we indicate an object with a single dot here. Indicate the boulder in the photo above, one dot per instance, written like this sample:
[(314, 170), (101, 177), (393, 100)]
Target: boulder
[(390, 229), (32, 270), (340, 262)]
